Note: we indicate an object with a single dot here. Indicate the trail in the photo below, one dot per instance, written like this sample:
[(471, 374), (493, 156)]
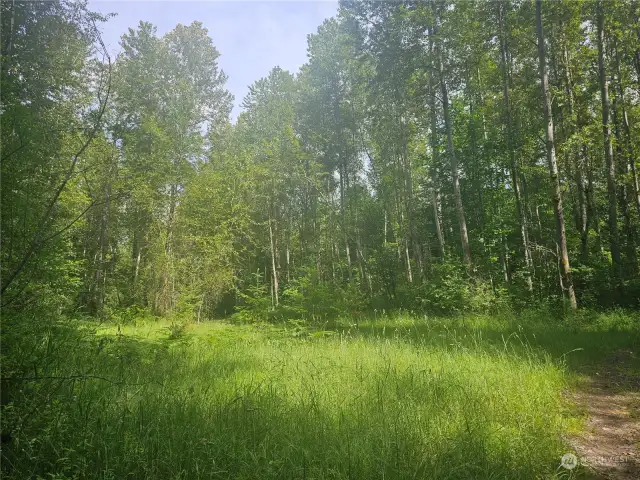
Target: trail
[(609, 448)]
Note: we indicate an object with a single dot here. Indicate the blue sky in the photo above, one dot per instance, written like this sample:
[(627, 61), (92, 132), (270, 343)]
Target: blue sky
[(252, 36)]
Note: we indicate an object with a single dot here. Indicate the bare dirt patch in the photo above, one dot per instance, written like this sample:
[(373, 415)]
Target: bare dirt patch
[(610, 446)]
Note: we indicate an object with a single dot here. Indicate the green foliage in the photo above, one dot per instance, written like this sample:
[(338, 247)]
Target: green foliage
[(391, 396), (611, 321), (340, 194), (328, 202), (335, 183), (449, 291), (46, 111), (128, 315), (176, 330), (257, 305), (420, 396)]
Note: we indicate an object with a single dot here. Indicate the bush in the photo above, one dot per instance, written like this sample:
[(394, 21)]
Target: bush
[(256, 305), (449, 291), (303, 298)]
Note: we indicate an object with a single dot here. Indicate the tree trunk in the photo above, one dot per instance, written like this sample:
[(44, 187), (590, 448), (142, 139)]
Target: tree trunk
[(636, 56), (556, 194), (464, 236), (576, 162), (631, 161), (101, 275), (408, 260), (343, 187), (360, 257), (274, 271), (436, 216), (614, 238), (592, 210), (624, 194), (512, 154), (434, 153), (583, 217), (405, 164), (384, 240)]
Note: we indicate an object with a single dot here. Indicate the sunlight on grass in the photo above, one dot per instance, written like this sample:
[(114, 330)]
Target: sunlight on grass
[(379, 400)]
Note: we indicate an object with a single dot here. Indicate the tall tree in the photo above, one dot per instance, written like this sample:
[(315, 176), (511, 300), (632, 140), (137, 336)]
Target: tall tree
[(556, 193), (614, 239), (505, 68), (448, 125)]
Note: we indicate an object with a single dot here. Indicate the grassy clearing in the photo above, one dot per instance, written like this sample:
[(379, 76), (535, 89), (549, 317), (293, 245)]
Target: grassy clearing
[(581, 342), (386, 398)]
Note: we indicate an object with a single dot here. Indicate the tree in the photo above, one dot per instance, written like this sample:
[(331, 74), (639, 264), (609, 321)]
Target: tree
[(340, 186), (448, 125), (556, 194), (50, 118), (160, 130), (608, 148)]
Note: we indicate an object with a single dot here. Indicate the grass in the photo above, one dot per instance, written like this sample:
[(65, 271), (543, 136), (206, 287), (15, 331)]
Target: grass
[(402, 397)]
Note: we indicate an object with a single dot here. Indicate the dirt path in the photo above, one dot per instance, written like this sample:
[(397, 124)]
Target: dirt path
[(610, 445)]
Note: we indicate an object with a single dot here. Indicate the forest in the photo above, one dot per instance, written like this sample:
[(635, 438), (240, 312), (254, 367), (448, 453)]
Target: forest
[(415, 257)]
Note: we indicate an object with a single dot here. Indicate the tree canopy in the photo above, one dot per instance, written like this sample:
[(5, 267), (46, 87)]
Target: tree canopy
[(435, 156)]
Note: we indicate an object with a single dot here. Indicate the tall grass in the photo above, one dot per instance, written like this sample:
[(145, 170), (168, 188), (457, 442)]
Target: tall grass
[(378, 400)]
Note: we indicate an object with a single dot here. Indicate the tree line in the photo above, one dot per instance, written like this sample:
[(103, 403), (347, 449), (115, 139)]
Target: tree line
[(437, 156)]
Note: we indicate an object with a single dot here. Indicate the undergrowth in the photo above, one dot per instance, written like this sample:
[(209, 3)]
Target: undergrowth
[(403, 397)]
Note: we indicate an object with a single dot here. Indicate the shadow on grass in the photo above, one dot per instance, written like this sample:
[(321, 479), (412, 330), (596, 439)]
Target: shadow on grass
[(73, 400), (215, 415)]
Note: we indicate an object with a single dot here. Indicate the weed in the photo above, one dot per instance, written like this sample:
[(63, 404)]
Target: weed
[(402, 397)]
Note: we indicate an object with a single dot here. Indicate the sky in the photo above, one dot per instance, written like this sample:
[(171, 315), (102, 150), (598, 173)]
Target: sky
[(251, 36)]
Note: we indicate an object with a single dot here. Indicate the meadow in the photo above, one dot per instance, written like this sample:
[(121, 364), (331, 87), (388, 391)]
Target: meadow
[(412, 253), (399, 396)]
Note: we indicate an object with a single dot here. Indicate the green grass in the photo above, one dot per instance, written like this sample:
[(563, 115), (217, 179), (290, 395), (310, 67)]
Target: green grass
[(407, 397)]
